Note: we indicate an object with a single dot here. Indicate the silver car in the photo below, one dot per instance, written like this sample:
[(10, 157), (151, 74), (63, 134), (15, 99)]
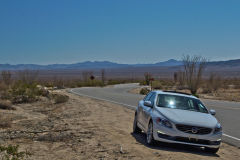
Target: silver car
[(175, 117)]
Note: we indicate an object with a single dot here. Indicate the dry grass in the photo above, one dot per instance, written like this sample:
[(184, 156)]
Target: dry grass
[(223, 94), (157, 85), (59, 98), (144, 91), (5, 121)]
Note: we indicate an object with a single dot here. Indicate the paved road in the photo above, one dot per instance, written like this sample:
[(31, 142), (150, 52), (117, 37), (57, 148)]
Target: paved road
[(228, 113)]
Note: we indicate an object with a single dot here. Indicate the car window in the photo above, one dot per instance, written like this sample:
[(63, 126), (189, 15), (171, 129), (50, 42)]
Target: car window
[(201, 107), (190, 104), (152, 98), (147, 97)]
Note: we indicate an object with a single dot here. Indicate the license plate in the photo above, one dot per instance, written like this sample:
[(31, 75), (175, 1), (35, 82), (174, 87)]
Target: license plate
[(193, 138)]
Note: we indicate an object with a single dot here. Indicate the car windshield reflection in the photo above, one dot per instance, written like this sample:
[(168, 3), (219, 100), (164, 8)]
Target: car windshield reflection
[(180, 102)]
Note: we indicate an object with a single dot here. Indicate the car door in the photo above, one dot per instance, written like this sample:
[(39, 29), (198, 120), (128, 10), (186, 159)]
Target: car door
[(140, 109), (147, 111)]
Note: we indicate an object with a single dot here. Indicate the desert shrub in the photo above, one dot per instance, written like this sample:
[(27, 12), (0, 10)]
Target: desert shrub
[(27, 76), (6, 104), (22, 92), (59, 98), (157, 85), (237, 86), (116, 81), (90, 83), (103, 76), (11, 152), (180, 79), (6, 77), (142, 83), (213, 83), (48, 84), (144, 91), (193, 70), (3, 86), (205, 89), (147, 77), (225, 84), (94, 83), (4, 91), (167, 82), (42, 92)]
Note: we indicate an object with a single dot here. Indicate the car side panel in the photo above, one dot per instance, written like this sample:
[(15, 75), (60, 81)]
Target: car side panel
[(140, 113), (146, 116)]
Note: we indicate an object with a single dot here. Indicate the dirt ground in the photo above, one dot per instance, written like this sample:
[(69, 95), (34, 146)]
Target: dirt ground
[(83, 128)]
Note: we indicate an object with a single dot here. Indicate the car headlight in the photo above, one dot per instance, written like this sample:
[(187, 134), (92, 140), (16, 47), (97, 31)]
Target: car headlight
[(164, 122), (218, 128)]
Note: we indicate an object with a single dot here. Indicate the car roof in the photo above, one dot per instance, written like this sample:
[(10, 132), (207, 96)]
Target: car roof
[(174, 93)]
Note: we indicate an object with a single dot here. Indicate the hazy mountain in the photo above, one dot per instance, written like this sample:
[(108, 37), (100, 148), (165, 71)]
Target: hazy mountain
[(111, 65), (229, 63), (170, 62), (83, 65)]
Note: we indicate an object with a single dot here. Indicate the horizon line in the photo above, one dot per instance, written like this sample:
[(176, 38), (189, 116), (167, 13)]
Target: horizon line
[(103, 61)]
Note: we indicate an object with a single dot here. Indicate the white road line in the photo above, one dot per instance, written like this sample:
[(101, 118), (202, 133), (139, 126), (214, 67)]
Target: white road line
[(132, 107), (231, 137)]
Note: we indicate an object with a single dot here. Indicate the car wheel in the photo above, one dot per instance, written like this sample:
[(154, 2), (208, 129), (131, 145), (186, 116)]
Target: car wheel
[(136, 129), (149, 137), (211, 150)]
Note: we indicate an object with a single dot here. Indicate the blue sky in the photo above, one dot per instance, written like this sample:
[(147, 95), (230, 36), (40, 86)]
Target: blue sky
[(124, 31)]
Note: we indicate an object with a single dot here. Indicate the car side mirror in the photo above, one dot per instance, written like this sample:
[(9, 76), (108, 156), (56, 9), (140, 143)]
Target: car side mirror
[(148, 103), (212, 112)]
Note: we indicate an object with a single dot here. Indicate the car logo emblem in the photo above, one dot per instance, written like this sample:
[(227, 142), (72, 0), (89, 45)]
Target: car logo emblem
[(194, 130)]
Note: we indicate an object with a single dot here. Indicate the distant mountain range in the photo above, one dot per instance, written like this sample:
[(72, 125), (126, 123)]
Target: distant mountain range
[(109, 65)]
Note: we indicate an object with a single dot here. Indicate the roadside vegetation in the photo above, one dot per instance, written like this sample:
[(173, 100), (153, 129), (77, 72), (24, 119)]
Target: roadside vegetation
[(12, 152), (190, 79)]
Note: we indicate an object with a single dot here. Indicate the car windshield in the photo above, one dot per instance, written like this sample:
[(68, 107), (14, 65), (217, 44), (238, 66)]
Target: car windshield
[(181, 102)]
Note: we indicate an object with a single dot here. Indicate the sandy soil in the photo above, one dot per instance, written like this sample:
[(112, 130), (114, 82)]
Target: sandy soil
[(84, 128)]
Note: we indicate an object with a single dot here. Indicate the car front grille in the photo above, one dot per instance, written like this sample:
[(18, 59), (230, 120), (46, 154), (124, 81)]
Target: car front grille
[(193, 129)]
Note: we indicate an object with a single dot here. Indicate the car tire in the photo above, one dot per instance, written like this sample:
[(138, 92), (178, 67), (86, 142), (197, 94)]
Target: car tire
[(211, 150), (136, 129), (149, 138)]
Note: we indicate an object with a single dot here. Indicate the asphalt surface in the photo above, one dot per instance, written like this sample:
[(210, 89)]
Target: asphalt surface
[(228, 113)]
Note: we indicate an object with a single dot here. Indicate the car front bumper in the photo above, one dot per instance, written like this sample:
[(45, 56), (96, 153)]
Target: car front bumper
[(172, 135)]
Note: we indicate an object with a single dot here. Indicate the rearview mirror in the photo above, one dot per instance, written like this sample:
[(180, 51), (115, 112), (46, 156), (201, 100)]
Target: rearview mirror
[(212, 112), (148, 103)]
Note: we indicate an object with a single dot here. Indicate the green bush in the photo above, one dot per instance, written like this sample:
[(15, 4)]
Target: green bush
[(11, 152), (115, 81), (196, 95), (22, 92), (144, 91), (142, 83), (89, 83)]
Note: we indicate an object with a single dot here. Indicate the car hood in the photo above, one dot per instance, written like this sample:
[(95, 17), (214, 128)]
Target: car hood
[(179, 116)]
